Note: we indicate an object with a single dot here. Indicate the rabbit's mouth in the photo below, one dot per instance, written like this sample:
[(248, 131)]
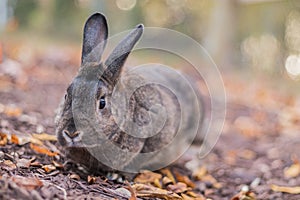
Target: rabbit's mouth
[(72, 139)]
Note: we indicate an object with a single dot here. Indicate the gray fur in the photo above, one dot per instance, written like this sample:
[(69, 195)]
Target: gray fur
[(96, 80)]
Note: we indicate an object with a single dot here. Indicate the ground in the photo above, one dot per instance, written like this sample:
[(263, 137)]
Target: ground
[(256, 157)]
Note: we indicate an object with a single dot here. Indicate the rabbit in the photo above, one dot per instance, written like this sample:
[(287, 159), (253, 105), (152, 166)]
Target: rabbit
[(86, 124)]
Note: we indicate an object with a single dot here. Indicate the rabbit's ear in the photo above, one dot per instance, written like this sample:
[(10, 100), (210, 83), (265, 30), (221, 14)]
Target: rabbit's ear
[(94, 39), (119, 55)]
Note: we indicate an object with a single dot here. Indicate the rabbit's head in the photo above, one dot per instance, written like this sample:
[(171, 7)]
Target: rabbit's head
[(88, 98)]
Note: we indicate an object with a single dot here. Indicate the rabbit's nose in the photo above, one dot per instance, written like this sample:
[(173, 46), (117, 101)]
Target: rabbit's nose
[(71, 135)]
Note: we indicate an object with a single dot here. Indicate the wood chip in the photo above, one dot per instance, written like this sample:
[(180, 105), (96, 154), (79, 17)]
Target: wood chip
[(290, 190), (45, 137), (169, 174), (292, 171), (178, 188), (30, 183), (49, 168), (3, 139), (42, 150), (147, 177), (74, 176), (8, 165), (91, 179), (184, 179), (23, 163), (143, 190)]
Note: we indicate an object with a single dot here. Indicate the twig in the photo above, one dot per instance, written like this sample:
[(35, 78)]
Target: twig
[(58, 187)]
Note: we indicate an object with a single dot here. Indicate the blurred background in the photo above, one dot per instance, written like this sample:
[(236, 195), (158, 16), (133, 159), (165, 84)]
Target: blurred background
[(247, 38), (260, 34)]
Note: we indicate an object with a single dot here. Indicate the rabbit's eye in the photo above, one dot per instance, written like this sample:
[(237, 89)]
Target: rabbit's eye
[(102, 103)]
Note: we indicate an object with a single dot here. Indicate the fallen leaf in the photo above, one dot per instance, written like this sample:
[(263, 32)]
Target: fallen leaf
[(166, 181), (194, 195), (131, 190), (157, 183), (57, 164), (35, 164), (3, 139), (247, 126), (201, 175), (123, 192), (49, 168), (42, 150), (212, 180), (292, 171), (45, 137), (197, 197), (29, 183), (200, 172), (168, 173), (14, 139), (244, 196), (20, 139), (23, 163), (74, 176), (8, 165), (143, 190), (178, 187), (247, 154), (91, 179), (184, 179), (12, 111), (290, 190), (147, 177)]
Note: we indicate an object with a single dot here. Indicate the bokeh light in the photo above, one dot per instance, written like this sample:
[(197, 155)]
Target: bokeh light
[(292, 66), (126, 4)]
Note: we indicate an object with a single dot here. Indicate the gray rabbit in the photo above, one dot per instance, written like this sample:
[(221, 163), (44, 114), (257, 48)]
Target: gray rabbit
[(142, 126)]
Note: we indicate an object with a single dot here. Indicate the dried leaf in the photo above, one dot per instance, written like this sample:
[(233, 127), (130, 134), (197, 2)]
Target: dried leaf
[(178, 187), (8, 165), (57, 164), (23, 163), (29, 183), (124, 193), (42, 150), (196, 197), (143, 190), (147, 177), (247, 154), (193, 194), (248, 127), (91, 179), (157, 183), (3, 139), (14, 139), (292, 171), (290, 190), (131, 190), (45, 137), (200, 172), (12, 111), (166, 181), (35, 164), (201, 175), (20, 139), (49, 168), (168, 173), (243, 195), (74, 176), (184, 179), (212, 180)]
